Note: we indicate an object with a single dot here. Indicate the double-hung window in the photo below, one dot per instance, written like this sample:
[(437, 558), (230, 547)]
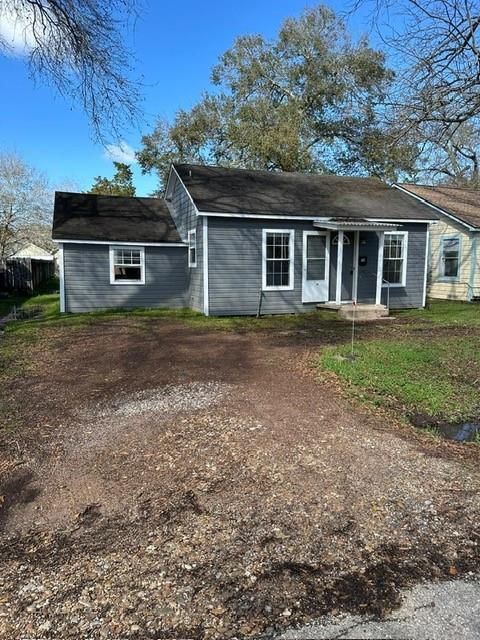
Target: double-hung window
[(395, 258), (192, 248), (127, 265), (450, 257), (277, 259)]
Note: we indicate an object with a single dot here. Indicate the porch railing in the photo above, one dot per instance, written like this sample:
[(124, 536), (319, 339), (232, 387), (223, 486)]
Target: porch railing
[(386, 282)]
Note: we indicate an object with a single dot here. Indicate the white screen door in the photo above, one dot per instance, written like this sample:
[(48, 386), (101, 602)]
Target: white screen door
[(316, 261)]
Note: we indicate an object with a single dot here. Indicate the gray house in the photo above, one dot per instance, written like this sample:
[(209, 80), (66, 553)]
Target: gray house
[(228, 241)]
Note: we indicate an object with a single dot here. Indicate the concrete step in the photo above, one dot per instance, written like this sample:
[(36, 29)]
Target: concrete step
[(363, 311)]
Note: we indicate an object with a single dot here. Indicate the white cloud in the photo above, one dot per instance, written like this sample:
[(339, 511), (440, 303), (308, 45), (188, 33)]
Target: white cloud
[(16, 31), (121, 152)]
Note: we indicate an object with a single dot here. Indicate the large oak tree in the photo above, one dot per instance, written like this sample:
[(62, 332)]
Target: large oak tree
[(310, 100)]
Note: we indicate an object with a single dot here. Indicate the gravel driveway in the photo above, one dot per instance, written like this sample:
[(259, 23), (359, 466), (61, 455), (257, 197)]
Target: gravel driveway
[(171, 482)]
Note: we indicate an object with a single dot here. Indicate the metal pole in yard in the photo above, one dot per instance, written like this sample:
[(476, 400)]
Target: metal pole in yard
[(354, 302)]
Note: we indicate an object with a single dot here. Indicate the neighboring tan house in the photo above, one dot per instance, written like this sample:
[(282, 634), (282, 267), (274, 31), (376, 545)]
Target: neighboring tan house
[(233, 242), (454, 251)]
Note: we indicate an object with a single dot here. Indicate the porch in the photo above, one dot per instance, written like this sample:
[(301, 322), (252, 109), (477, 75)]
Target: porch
[(343, 265)]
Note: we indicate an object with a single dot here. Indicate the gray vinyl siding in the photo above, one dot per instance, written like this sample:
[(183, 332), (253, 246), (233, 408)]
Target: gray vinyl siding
[(186, 219), (235, 268), (87, 279), (410, 296), (235, 272)]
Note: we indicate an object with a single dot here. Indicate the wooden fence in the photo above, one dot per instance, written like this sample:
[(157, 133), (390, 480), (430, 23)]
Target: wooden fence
[(25, 274)]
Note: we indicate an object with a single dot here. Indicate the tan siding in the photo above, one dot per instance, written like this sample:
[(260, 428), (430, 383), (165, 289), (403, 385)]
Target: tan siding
[(438, 288), (476, 278)]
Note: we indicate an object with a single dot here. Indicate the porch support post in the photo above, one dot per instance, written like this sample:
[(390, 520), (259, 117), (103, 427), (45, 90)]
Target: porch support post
[(338, 290), (381, 238), (356, 251)]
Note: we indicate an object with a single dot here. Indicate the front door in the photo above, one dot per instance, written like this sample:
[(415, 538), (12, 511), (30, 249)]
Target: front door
[(316, 262)]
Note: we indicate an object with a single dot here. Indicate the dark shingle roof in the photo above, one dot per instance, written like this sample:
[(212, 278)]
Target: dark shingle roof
[(221, 190), (85, 216), (461, 203)]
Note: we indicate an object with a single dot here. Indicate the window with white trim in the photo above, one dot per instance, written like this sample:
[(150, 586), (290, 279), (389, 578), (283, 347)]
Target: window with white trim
[(277, 253), (450, 257), (192, 248), (395, 258), (127, 265)]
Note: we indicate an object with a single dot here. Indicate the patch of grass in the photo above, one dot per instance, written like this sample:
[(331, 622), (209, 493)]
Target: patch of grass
[(8, 302), (436, 377), (432, 432), (445, 312), (45, 297), (50, 315)]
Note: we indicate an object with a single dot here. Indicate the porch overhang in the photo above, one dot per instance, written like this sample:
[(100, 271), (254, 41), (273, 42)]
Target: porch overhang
[(356, 225), (348, 224)]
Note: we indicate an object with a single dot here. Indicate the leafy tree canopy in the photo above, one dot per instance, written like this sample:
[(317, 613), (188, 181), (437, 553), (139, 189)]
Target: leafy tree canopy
[(307, 101), (120, 185)]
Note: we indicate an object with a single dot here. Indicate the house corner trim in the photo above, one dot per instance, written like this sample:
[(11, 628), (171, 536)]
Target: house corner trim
[(205, 265), (425, 267), (61, 273)]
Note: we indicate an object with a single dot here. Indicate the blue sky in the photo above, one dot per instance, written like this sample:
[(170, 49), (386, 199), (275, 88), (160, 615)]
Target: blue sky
[(175, 44)]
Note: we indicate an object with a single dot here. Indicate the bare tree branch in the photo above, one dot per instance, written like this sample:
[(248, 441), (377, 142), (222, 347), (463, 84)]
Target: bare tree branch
[(76, 46)]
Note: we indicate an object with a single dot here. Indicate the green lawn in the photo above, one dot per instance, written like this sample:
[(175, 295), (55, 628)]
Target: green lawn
[(439, 312), (421, 370), (445, 312), (48, 304), (438, 377), (7, 304), (46, 299)]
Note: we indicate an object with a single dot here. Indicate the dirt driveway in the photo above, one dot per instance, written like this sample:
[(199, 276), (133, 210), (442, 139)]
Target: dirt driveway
[(177, 483)]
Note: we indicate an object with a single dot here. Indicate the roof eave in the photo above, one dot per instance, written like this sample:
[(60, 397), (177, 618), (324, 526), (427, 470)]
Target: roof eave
[(365, 225), (441, 210)]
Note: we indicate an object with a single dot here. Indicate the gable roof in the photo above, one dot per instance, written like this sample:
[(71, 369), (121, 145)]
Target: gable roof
[(463, 204), (29, 250), (87, 216), (266, 193)]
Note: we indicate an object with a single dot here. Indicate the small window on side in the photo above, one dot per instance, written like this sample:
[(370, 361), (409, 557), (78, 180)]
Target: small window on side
[(192, 248), (450, 259)]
